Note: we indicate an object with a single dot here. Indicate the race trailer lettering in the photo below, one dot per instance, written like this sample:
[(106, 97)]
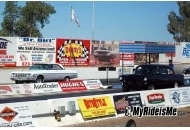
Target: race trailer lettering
[(44, 86), (152, 111), (3, 48)]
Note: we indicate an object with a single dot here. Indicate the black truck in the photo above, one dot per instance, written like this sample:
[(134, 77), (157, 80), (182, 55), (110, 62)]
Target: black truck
[(150, 77)]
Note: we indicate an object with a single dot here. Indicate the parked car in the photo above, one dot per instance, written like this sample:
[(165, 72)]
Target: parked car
[(43, 73), (150, 77), (186, 71)]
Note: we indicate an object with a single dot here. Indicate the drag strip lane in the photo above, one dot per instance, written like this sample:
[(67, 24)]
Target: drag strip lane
[(35, 97)]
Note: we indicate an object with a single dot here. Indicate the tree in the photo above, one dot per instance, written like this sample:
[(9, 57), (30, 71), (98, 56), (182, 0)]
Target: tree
[(36, 13), (25, 21), (179, 25), (10, 15)]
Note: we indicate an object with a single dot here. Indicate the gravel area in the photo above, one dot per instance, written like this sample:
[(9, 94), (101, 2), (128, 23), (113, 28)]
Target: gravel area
[(183, 121)]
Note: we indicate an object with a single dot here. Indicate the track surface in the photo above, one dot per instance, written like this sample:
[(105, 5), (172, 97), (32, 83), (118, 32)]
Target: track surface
[(35, 97)]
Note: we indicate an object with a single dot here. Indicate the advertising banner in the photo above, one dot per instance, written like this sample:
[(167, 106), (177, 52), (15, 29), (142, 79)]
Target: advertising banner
[(96, 107), (120, 102), (134, 99), (184, 54), (105, 53), (93, 84), (35, 50), (72, 85), (179, 97), (6, 90), (8, 51), (15, 115), (74, 53), (158, 98), (46, 87), (128, 59)]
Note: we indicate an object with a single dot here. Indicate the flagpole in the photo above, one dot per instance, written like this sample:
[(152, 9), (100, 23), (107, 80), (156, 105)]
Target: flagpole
[(71, 38), (93, 20)]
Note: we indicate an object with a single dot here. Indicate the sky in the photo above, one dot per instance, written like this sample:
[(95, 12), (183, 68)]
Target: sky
[(126, 21)]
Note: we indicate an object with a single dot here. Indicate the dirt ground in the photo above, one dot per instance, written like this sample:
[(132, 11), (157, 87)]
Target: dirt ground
[(183, 121)]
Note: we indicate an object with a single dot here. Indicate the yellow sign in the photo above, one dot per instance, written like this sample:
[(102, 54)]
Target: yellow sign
[(73, 50), (96, 107)]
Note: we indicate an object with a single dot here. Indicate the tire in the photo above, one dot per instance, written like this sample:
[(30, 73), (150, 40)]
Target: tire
[(125, 89), (39, 79), (176, 85), (151, 87), (16, 82), (67, 78), (130, 123)]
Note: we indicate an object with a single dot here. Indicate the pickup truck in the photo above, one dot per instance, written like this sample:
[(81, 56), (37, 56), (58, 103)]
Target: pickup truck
[(150, 77)]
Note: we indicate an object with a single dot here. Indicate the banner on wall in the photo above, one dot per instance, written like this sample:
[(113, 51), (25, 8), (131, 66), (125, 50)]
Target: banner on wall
[(127, 59), (96, 107), (105, 53), (7, 51), (159, 98), (74, 53), (35, 50), (179, 97), (15, 115)]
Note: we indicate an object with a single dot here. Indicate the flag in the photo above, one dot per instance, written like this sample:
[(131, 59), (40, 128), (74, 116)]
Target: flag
[(74, 17)]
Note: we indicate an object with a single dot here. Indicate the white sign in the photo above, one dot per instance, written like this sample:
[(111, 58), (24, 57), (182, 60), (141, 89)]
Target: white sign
[(93, 84), (156, 98), (35, 50), (8, 51), (179, 97), (23, 88), (15, 115), (127, 59), (46, 87)]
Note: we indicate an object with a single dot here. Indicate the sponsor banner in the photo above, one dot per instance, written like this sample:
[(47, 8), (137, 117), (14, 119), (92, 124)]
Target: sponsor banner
[(158, 98), (23, 88), (8, 51), (35, 50), (72, 85), (134, 99), (96, 107), (6, 90), (46, 87), (127, 59), (74, 53), (179, 97), (105, 53), (93, 84), (120, 102), (15, 115)]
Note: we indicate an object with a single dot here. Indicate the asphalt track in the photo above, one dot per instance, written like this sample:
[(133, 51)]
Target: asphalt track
[(41, 96)]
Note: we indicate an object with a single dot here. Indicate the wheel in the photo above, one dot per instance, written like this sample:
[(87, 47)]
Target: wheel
[(125, 89), (16, 82), (151, 87), (130, 123), (67, 78), (39, 79), (176, 85)]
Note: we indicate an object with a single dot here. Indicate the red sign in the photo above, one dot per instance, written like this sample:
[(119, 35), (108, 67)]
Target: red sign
[(169, 55), (73, 53), (94, 103), (127, 56), (73, 85)]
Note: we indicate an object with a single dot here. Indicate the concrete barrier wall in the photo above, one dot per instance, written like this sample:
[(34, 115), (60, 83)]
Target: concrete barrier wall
[(42, 111)]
